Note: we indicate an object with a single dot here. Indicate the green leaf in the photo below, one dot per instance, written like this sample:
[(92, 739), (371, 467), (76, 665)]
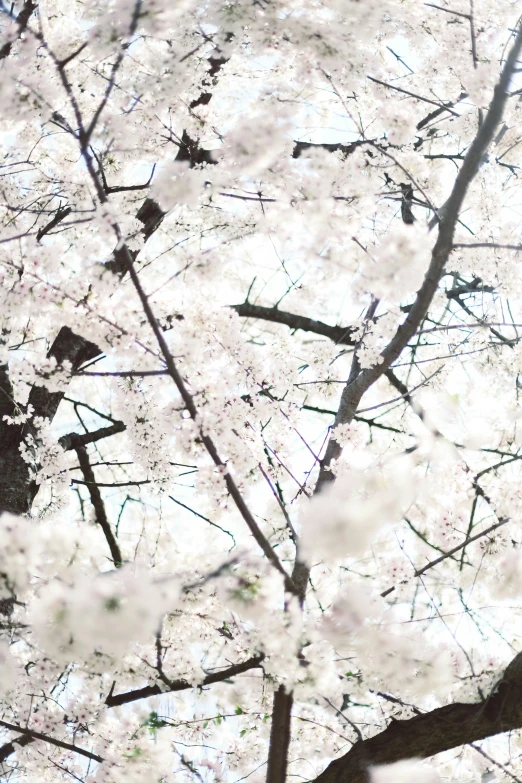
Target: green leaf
[(154, 723)]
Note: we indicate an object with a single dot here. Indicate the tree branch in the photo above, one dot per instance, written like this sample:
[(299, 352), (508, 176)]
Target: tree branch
[(22, 21), (207, 441), (60, 215), (361, 380), (69, 347), (441, 106), (354, 390), (433, 732), (183, 685), (346, 149), (74, 440), (36, 735), (339, 334), (97, 502), (279, 736), (8, 749), (126, 698)]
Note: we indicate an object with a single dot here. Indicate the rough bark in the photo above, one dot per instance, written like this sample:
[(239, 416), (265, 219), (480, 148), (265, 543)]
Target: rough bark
[(434, 732), (17, 490), (279, 736)]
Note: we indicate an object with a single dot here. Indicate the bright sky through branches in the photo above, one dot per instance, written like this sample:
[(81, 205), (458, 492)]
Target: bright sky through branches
[(260, 360)]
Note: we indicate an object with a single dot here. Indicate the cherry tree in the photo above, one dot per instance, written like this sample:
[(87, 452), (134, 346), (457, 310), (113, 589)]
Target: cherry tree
[(260, 432)]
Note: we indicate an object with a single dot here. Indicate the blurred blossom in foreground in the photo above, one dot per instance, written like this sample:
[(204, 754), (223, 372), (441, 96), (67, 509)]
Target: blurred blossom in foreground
[(343, 518), (408, 771)]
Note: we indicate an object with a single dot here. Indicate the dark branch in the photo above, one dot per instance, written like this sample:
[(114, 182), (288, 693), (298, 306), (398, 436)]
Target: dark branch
[(346, 149), (358, 385), (339, 334), (183, 685), (73, 440), (69, 347), (434, 732), (126, 698), (442, 107), (61, 214), (8, 749), (22, 20), (97, 502), (279, 736), (36, 735), (207, 441)]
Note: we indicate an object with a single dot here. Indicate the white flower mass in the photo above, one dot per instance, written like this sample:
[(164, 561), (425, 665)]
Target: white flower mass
[(260, 391)]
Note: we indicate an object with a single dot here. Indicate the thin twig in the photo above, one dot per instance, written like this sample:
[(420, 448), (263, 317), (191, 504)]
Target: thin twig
[(97, 502)]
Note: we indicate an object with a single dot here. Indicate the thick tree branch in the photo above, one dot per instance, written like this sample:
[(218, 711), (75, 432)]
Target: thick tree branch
[(341, 335), (17, 490), (346, 149), (8, 749), (67, 347), (279, 736), (434, 732)]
